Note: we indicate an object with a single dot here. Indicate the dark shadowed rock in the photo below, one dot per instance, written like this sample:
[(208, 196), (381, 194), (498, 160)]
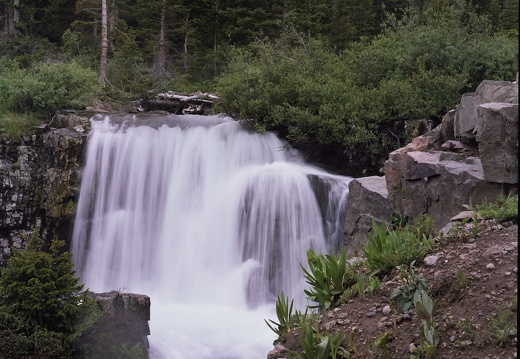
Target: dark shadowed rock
[(122, 329)]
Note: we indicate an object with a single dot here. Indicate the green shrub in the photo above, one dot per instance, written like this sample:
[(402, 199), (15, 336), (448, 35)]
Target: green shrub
[(388, 248), (503, 327), (504, 209), (417, 68), (284, 312), (316, 345), (413, 284), (47, 87), (328, 277), (13, 125), (42, 305)]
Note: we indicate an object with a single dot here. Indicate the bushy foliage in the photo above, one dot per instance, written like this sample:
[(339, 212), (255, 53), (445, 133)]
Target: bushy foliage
[(46, 87), (505, 208), (417, 68), (412, 283), (301, 86), (328, 276), (13, 125), (43, 308), (388, 248), (26, 50)]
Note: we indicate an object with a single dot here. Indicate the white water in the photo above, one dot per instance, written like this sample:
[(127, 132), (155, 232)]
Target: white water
[(209, 220)]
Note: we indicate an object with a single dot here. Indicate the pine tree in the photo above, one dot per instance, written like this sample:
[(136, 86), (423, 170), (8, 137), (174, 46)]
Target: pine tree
[(41, 301)]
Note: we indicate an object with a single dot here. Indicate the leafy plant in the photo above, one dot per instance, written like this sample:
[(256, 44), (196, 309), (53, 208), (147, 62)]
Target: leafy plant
[(413, 284), (425, 306), (382, 341), (425, 350), (504, 209), (328, 277), (398, 221), (318, 346), (388, 248), (502, 326), (423, 225), (284, 313)]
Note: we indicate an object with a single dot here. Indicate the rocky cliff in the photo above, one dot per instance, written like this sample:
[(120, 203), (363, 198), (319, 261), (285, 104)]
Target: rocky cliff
[(39, 181), (471, 157)]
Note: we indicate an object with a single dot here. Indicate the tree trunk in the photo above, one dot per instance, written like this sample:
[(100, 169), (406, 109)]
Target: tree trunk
[(161, 56), (188, 31), (104, 43), (13, 18), (16, 12)]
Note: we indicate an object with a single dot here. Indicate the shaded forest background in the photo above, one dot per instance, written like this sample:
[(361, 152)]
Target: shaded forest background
[(346, 81)]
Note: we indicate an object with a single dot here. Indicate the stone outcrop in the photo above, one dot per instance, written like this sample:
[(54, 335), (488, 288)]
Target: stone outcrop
[(471, 157), (122, 326), (39, 180), (497, 138), (368, 202)]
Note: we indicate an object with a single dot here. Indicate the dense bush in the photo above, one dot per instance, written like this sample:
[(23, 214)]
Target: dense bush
[(46, 87), (416, 69)]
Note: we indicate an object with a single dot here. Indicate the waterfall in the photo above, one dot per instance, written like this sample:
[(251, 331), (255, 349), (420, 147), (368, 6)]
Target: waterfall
[(210, 220)]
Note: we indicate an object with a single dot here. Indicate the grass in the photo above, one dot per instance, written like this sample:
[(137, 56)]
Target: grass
[(504, 209), (14, 125)]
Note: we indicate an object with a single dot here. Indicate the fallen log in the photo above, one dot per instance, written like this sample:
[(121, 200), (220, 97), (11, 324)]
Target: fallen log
[(172, 102)]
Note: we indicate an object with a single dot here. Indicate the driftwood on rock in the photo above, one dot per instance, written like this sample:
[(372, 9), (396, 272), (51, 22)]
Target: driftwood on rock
[(196, 104)]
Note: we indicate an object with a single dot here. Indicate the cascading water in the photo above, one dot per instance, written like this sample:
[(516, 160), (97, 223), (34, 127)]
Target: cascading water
[(210, 220)]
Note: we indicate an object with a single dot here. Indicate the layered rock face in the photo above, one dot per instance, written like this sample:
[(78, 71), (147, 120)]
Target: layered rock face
[(472, 156), (39, 181)]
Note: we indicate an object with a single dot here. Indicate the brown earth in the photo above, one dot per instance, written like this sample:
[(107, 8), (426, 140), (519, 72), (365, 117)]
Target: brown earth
[(473, 280)]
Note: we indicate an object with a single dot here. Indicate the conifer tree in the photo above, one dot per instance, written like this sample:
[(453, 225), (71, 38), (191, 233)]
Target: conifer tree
[(41, 301)]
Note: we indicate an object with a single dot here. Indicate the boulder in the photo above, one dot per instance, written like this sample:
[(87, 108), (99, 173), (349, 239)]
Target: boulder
[(437, 175), (497, 91), (466, 116), (367, 202), (436, 183), (121, 328), (497, 138)]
